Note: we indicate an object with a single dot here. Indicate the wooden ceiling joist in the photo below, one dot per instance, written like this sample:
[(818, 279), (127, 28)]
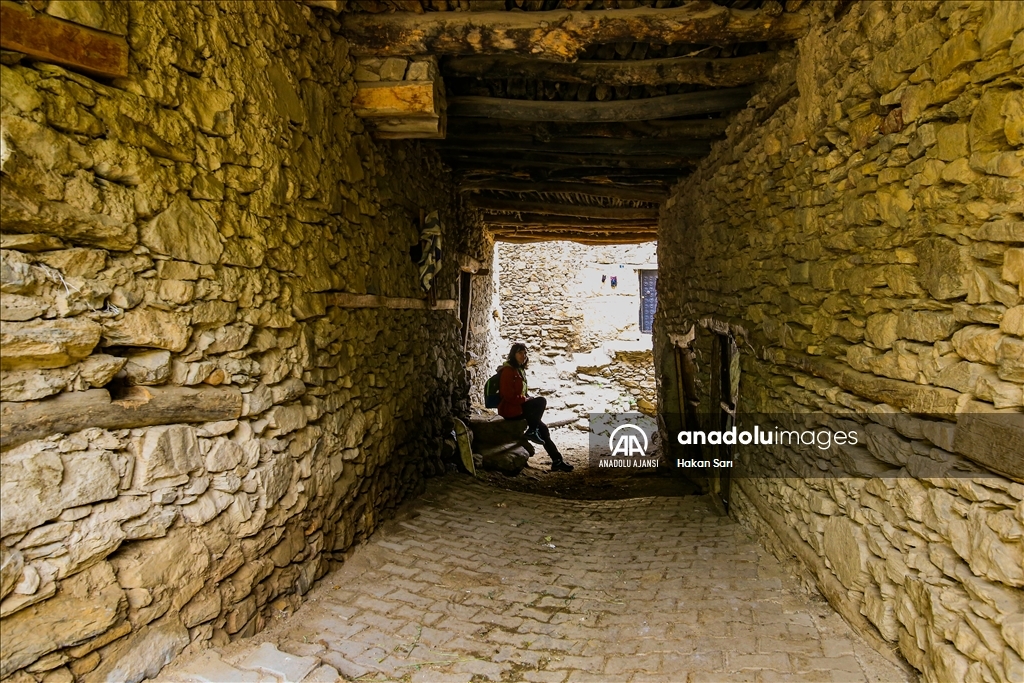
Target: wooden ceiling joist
[(525, 143), (698, 129), (561, 35), (723, 73), (664, 107), (536, 220), (564, 209), (50, 39), (587, 189), (482, 159), (582, 237)]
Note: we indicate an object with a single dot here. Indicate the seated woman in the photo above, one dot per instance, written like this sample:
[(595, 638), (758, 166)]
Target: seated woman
[(516, 405)]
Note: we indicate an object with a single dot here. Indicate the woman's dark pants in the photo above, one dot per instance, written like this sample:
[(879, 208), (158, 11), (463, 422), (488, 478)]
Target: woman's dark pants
[(533, 410)]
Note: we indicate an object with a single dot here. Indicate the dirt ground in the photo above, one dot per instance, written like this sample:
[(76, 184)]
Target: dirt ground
[(585, 483)]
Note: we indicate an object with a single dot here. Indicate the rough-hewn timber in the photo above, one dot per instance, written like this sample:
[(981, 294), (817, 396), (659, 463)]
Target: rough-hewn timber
[(562, 209), (62, 42), (709, 128), (588, 189), (723, 73), (141, 407), (664, 107), (561, 35), (480, 159), (504, 143)]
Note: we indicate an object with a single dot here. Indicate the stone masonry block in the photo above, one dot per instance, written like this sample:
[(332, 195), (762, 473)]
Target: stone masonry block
[(268, 659)]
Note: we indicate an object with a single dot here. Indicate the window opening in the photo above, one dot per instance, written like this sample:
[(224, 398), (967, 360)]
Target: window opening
[(648, 299)]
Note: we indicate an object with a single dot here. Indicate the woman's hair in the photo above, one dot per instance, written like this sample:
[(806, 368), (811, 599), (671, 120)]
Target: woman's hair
[(516, 348)]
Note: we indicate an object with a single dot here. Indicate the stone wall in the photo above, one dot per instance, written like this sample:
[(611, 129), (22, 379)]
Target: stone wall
[(588, 354), (861, 237), (191, 237)]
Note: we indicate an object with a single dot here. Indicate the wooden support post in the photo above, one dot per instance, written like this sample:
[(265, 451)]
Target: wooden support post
[(50, 39)]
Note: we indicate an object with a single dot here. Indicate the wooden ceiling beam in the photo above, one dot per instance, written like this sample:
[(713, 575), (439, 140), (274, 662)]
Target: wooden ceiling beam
[(588, 189), (501, 143), (547, 220), (581, 237), (564, 160), (698, 129), (664, 107), (50, 39), (563, 209), (561, 35), (722, 73)]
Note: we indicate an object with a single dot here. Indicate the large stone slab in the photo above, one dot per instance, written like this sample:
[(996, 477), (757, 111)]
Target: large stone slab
[(30, 478), (847, 551), (85, 606), (144, 653), (47, 343), (186, 231), (165, 456), (495, 431)]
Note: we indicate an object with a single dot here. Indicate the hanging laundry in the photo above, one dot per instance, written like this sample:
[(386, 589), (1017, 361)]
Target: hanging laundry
[(430, 250)]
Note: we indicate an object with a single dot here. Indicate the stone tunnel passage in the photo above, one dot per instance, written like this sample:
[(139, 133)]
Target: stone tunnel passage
[(229, 354), (471, 583)]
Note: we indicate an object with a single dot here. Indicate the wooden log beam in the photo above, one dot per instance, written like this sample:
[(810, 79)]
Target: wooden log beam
[(384, 99), (702, 129), (565, 160), (722, 73), (50, 39), (587, 238), (139, 407), (561, 35), (664, 107), (562, 209), (501, 143), (349, 300), (639, 194), (554, 221)]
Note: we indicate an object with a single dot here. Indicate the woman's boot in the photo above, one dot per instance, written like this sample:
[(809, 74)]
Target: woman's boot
[(560, 465)]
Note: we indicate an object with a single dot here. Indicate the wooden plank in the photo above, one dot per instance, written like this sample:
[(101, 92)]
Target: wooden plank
[(50, 39), (589, 189), (561, 35), (707, 128), (525, 143), (563, 209), (723, 73), (139, 407), (347, 300), (564, 160), (589, 238), (993, 439), (540, 219), (409, 128), (664, 107), (397, 99)]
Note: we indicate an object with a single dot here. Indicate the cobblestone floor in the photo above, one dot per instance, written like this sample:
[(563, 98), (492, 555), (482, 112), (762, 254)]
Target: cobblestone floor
[(473, 583)]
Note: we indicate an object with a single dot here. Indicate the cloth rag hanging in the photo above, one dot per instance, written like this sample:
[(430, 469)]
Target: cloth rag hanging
[(430, 243)]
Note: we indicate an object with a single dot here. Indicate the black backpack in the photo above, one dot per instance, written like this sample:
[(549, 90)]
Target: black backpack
[(492, 390)]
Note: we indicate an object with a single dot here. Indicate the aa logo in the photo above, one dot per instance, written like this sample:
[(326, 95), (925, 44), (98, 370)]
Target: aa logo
[(625, 442)]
